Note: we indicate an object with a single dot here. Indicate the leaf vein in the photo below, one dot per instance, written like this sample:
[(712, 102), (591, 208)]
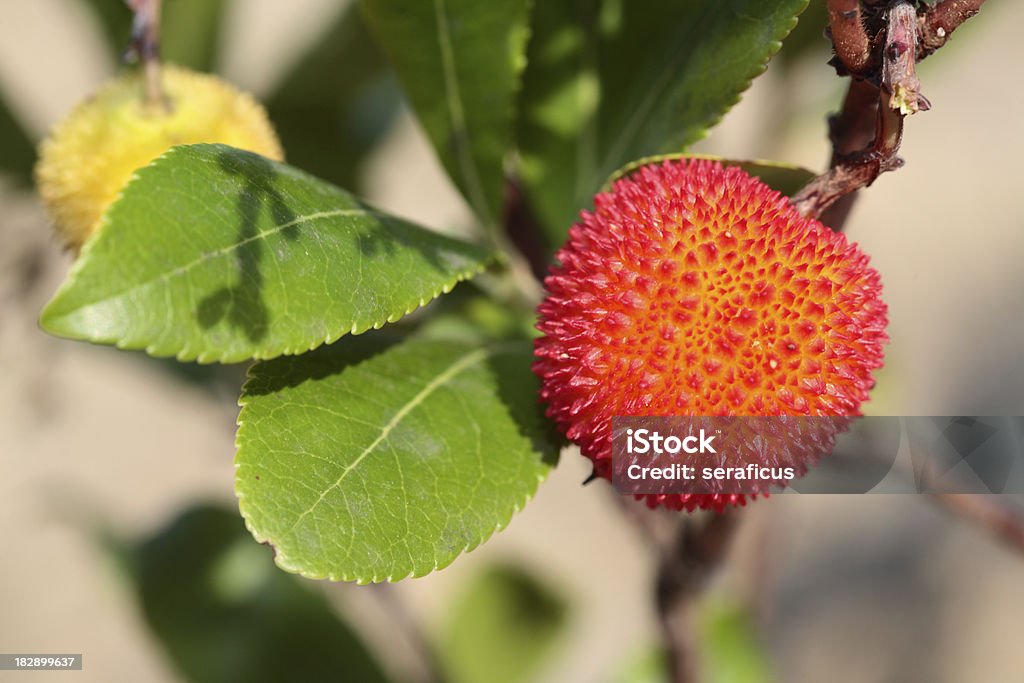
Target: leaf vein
[(223, 251), (442, 378), (461, 139)]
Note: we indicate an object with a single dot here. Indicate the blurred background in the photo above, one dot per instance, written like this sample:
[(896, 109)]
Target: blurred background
[(116, 469)]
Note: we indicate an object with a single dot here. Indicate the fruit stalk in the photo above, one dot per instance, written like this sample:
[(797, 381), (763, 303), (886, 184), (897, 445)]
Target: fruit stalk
[(145, 45)]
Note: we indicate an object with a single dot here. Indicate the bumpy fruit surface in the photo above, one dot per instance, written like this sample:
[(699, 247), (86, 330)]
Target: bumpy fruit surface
[(695, 289), (91, 155)]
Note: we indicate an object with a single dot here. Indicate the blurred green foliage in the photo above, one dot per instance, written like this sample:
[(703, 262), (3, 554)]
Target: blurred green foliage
[(731, 651), (808, 38), (17, 153), (336, 103), (224, 613), (609, 81), (647, 665), (459, 62), (502, 628)]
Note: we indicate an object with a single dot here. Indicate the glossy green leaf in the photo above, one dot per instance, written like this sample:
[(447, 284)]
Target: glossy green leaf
[(785, 178), (189, 33), (223, 613), (362, 464), (216, 254), (609, 81), (459, 62), (473, 314), (504, 626), (336, 103)]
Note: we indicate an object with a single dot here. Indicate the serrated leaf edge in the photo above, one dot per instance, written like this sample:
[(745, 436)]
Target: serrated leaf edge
[(635, 165), (282, 562), (773, 49), (187, 354)]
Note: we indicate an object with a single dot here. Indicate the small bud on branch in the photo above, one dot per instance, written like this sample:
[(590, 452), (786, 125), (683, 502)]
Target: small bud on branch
[(857, 159)]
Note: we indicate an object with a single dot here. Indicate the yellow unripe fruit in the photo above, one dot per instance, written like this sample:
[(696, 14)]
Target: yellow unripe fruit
[(91, 155)]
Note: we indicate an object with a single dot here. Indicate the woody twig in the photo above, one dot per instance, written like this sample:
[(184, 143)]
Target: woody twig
[(878, 48)]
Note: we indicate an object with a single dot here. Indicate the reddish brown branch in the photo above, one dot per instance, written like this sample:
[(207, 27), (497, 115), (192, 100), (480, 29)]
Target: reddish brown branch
[(686, 564), (849, 36), (1005, 524), (689, 548), (939, 22), (851, 130), (857, 159), (898, 96), (983, 510)]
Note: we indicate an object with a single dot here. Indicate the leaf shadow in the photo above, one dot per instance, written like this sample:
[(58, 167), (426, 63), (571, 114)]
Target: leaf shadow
[(517, 388), (222, 610), (242, 304), (519, 391), (378, 238), (397, 234), (286, 372)]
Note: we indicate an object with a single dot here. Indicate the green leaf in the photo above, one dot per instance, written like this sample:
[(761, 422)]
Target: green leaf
[(808, 38), (785, 178), (329, 116), (216, 254), (470, 314), (609, 81), (362, 464), (504, 625), (19, 154), (223, 613), (459, 62)]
